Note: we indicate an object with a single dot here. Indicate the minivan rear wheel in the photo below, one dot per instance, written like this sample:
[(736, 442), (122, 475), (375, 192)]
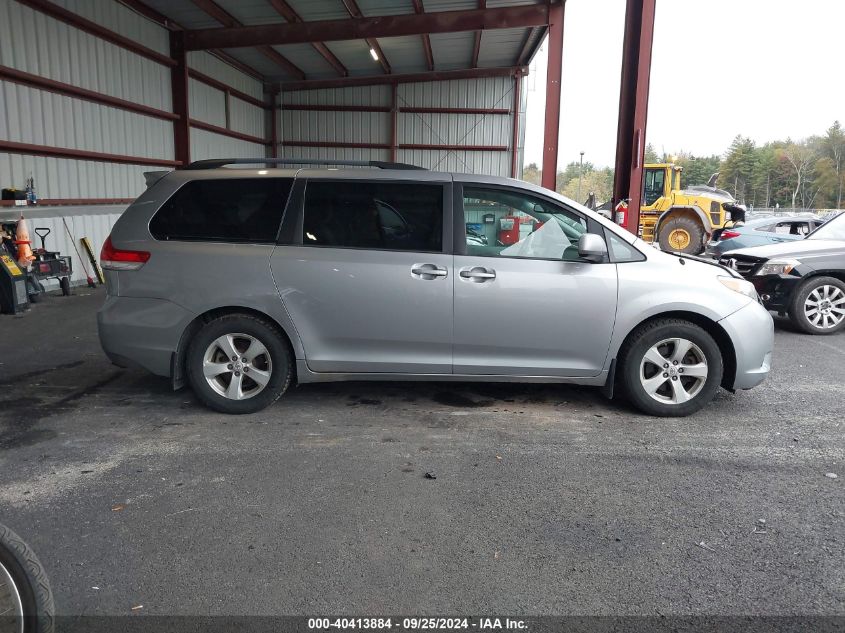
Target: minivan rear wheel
[(238, 363), (670, 367)]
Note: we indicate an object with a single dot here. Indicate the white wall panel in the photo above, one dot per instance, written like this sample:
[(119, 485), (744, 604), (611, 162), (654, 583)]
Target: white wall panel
[(342, 127), (29, 115), (210, 65), (412, 128), (35, 43), (332, 153), (123, 20), (206, 103), (210, 145), (359, 95), (247, 118), (65, 178)]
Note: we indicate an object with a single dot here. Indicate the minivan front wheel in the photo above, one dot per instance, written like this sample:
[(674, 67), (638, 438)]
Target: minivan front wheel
[(670, 367), (238, 363)]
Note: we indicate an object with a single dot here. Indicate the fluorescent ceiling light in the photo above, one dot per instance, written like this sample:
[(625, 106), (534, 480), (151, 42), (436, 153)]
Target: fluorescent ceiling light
[(374, 54)]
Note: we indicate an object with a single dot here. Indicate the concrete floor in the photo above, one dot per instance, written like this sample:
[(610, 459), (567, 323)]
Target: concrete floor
[(547, 500)]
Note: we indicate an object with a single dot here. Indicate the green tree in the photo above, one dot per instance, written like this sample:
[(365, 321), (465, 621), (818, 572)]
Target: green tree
[(738, 168), (833, 146), (531, 173), (651, 154), (597, 181), (697, 170), (801, 158)]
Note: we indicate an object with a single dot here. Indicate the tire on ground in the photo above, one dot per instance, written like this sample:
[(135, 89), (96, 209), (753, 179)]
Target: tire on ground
[(686, 223), (30, 581), (272, 339), (646, 336), (798, 314)]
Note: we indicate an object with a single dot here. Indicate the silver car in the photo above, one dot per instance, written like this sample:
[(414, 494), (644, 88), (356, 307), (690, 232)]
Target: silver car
[(761, 232), (240, 281)]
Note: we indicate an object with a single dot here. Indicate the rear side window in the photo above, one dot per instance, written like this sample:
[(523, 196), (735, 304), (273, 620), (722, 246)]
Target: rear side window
[(227, 210), (373, 215)]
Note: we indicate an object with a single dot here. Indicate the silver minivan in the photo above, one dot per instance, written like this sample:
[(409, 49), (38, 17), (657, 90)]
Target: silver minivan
[(240, 281)]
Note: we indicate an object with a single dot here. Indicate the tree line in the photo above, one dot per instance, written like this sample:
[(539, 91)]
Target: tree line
[(809, 173)]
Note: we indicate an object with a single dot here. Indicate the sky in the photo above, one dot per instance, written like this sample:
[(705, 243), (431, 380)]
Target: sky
[(766, 69)]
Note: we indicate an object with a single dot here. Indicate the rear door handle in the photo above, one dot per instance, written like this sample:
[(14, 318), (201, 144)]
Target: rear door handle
[(478, 274), (428, 271)]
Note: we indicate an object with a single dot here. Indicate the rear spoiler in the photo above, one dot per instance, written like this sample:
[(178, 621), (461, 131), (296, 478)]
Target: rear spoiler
[(152, 177)]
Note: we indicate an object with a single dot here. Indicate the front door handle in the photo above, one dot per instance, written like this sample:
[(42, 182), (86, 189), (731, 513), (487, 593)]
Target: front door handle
[(478, 274), (428, 271)]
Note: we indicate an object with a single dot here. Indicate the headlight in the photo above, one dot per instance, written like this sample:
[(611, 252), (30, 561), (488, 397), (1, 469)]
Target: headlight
[(778, 267), (741, 286)]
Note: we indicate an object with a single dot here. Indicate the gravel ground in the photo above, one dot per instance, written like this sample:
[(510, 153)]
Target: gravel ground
[(547, 499)]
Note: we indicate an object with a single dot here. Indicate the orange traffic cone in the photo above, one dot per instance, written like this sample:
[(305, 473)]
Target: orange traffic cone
[(23, 242)]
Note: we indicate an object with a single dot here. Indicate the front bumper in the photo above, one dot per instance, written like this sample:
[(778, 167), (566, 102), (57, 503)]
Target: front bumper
[(752, 332), (775, 290)]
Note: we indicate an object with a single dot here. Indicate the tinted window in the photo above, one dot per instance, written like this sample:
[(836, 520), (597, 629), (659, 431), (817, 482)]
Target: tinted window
[(522, 225), (229, 210), (375, 215)]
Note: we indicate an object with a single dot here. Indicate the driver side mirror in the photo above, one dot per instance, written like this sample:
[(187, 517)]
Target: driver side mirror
[(591, 247)]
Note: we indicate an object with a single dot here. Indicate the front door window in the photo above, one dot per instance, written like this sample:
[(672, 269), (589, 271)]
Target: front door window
[(519, 225)]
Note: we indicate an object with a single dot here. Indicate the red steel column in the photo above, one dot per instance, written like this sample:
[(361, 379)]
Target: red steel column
[(553, 90), (394, 111), (517, 82), (275, 115), (179, 91), (633, 107)]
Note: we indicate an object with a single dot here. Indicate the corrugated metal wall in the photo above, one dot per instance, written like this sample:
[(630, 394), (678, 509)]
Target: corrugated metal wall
[(208, 104), (34, 43), (412, 128)]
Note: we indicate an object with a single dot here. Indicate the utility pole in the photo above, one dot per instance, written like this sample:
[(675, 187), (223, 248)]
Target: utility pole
[(580, 170)]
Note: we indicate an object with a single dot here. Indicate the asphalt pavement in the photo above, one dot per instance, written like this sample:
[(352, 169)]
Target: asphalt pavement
[(540, 499)]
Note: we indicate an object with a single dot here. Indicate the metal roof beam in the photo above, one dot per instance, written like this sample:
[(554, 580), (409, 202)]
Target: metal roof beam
[(426, 39), (482, 4), (288, 13), (230, 22), (370, 27), (148, 12), (354, 11), (376, 80)]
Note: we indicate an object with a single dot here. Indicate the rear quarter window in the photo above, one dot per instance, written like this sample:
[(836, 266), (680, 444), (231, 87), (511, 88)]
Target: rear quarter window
[(227, 210)]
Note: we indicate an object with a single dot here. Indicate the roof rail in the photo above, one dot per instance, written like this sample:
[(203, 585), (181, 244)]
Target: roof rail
[(215, 163)]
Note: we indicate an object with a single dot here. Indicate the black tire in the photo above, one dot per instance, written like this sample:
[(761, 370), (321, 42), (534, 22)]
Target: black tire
[(35, 297), (64, 284), (798, 314), (682, 223), (268, 335), (30, 580), (631, 364)]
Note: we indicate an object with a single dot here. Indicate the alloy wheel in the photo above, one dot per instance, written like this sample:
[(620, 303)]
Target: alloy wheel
[(673, 371), (237, 366), (825, 307)]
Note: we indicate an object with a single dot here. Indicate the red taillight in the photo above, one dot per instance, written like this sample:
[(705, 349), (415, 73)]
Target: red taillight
[(112, 258), (729, 235)]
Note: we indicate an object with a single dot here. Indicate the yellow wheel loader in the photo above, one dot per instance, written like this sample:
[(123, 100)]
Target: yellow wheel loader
[(681, 220)]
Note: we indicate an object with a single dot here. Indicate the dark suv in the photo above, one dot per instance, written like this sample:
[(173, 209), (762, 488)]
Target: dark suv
[(804, 279)]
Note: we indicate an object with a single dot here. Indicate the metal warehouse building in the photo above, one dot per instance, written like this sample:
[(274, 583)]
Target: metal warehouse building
[(95, 92)]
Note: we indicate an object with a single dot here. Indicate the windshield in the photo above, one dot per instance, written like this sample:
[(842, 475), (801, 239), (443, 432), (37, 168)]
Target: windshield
[(833, 229)]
